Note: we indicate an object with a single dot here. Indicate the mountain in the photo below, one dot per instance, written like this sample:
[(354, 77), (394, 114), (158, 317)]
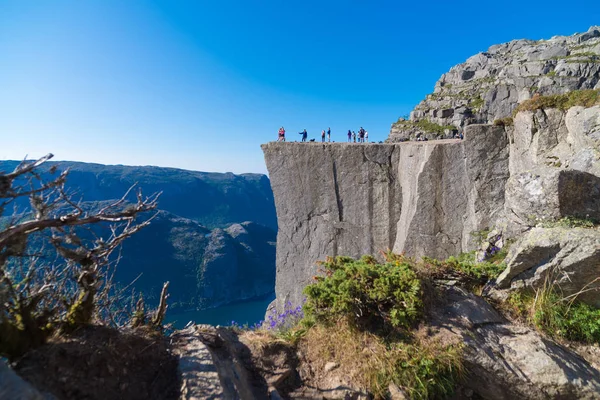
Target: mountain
[(432, 198), (523, 185), (212, 199), (201, 240), (489, 85), (205, 268)]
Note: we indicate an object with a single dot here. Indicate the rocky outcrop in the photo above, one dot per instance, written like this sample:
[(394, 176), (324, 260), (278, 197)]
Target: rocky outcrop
[(429, 198), (506, 361), (554, 166), (489, 85), (503, 361), (567, 257), (422, 198)]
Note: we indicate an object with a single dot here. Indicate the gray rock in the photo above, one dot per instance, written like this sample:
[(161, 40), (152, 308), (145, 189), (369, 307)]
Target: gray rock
[(396, 393), (569, 258), (421, 198), (553, 51), (491, 84), (197, 370), (506, 361)]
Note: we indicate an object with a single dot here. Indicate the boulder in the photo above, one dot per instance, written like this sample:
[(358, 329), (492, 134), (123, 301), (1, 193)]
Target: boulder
[(505, 361), (567, 257), (548, 194)]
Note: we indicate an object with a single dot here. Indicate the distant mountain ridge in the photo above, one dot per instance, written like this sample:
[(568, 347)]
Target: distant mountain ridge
[(210, 198), (213, 237)]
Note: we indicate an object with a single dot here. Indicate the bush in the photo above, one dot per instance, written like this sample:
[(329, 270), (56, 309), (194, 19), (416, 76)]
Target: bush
[(570, 222), (466, 264), (425, 125), (369, 294), (476, 104)]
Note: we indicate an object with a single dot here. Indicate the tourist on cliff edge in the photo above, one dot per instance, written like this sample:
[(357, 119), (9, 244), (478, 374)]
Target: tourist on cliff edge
[(304, 135), (349, 136), (323, 136), (281, 137), (354, 136), (329, 134)]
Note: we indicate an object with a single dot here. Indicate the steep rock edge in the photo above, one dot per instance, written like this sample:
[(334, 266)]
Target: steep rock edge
[(489, 85), (419, 198), (427, 198)]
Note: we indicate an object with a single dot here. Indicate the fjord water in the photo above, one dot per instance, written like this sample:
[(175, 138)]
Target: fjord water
[(245, 312)]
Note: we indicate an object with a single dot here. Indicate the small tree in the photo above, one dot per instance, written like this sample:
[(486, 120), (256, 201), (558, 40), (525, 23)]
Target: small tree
[(64, 281)]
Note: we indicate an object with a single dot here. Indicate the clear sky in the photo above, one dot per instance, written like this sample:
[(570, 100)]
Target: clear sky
[(201, 84)]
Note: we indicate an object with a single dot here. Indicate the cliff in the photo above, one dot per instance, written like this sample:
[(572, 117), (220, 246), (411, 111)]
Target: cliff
[(429, 198), (489, 85), (422, 198)]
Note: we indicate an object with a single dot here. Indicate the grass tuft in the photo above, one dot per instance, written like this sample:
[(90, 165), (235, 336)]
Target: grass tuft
[(508, 121), (425, 126), (557, 316), (584, 98), (422, 369)]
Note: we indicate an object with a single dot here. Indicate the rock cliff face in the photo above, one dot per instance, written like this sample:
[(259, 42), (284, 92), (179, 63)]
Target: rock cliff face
[(489, 85), (420, 198), (429, 198)]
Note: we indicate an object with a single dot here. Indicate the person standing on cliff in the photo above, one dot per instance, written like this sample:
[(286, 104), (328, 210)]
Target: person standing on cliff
[(361, 135), (328, 134), (323, 136), (367, 136), (304, 135), (281, 135), (349, 136), (354, 136)]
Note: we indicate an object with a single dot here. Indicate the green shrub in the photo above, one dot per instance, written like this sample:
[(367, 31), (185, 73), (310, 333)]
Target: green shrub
[(476, 104), (425, 372), (467, 265), (368, 293)]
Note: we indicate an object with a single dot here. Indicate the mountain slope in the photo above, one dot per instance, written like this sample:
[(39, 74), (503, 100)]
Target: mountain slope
[(212, 199)]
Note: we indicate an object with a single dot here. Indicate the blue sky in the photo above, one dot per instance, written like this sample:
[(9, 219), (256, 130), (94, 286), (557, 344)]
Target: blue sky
[(201, 84)]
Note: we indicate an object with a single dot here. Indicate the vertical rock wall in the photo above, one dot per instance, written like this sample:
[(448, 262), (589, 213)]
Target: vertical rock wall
[(422, 198)]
